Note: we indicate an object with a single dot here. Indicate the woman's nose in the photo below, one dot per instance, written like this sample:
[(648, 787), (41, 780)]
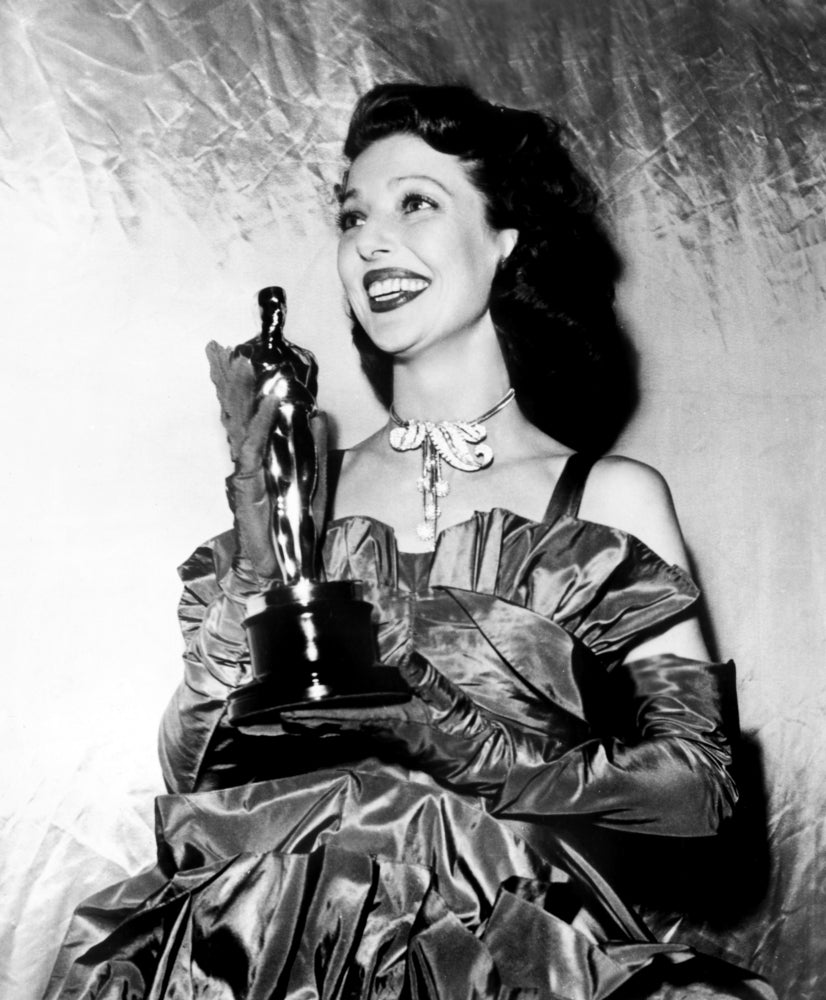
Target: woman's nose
[(376, 237)]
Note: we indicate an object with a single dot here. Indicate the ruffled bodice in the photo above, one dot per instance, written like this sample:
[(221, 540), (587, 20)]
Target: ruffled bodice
[(524, 615), (604, 587)]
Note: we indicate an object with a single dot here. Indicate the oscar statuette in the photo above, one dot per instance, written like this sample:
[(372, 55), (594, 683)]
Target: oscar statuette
[(311, 641)]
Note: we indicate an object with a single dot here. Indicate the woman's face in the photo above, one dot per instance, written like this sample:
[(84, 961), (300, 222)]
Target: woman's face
[(416, 254)]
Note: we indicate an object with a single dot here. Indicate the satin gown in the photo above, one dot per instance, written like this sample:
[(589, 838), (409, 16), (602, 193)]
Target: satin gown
[(297, 866)]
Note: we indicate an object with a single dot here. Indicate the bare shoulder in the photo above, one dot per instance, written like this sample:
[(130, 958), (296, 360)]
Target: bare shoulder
[(625, 485), (634, 497)]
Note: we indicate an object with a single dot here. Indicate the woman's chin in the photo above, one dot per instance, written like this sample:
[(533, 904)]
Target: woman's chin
[(397, 340)]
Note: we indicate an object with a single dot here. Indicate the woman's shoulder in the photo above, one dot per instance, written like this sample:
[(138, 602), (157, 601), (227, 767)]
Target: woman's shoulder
[(634, 497), (626, 480)]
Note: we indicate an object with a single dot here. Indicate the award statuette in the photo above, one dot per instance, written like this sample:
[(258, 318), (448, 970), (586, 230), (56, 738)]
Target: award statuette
[(310, 640)]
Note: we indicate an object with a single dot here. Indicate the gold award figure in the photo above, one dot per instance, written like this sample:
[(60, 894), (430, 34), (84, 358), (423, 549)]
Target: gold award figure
[(310, 640), (291, 463)]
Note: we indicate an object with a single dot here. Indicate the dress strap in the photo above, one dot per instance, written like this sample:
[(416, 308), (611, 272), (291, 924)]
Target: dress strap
[(335, 460), (569, 488)]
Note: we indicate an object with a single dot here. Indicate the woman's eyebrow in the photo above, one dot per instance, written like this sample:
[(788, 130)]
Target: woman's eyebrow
[(420, 177)]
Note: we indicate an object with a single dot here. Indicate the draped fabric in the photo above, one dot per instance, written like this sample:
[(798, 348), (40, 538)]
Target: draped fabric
[(162, 160), (264, 901), (369, 879)]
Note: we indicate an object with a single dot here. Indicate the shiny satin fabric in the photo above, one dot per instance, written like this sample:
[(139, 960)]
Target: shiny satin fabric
[(345, 884), (601, 585), (364, 878)]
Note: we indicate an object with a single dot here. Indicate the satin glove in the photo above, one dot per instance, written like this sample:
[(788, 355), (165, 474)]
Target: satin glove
[(441, 730), (248, 428), (669, 776)]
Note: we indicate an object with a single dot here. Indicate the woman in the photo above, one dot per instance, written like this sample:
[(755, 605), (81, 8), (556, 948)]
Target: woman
[(535, 601)]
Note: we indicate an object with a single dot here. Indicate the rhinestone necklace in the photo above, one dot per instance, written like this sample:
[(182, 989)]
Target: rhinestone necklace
[(453, 441)]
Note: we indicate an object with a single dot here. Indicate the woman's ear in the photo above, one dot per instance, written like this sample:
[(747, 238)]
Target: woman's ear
[(506, 240)]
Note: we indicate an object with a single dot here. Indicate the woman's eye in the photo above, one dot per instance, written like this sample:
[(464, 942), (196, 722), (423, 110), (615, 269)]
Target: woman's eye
[(416, 202), (348, 219)]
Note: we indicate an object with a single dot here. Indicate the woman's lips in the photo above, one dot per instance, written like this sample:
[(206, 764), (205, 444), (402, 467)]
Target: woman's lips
[(391, 287)]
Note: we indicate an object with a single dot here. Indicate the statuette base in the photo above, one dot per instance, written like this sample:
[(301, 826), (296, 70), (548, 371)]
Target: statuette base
[(311, 644)]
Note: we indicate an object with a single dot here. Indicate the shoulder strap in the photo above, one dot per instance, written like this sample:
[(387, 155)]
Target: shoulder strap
[(570, 486), (335, 460)]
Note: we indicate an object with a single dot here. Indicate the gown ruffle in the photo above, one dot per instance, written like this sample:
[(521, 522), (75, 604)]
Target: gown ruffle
[(292, 866)]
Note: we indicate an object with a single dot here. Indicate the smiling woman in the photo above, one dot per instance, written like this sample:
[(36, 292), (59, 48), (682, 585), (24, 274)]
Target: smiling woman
[(535, 598), (414, 228), (551, 296)]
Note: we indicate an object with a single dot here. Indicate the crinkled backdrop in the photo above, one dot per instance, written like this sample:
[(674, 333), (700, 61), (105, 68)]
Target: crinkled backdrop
[(163, 159)]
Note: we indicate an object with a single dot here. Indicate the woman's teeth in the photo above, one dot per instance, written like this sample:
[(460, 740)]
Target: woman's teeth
[(389, 287)]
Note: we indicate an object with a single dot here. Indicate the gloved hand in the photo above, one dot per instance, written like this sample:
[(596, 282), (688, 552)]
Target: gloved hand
[(440, 730), (247, 430), (671, 777)]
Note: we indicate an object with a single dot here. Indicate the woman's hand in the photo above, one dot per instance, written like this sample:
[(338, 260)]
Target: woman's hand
[(440, 730), (248, 428), (670, 778)]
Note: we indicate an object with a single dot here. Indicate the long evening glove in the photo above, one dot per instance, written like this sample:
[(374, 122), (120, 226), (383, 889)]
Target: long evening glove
[(247, 431), (670, 777), (197, 747)]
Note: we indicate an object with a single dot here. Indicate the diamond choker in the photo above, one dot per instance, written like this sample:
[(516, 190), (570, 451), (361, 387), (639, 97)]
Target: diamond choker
[(455, 442)]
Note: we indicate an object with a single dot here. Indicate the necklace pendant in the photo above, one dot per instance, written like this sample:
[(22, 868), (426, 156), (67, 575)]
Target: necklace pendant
[(426, 531)]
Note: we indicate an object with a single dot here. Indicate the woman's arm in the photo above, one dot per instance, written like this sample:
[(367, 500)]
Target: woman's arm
[(630, 495), (670, 776), (198, 747), (212, 608)]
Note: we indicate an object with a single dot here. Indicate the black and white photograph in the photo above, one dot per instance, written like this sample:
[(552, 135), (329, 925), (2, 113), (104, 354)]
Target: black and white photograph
[(413, 493)]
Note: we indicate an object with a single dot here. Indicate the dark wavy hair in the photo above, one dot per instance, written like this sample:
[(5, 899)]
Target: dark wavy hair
[(552, 301)]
